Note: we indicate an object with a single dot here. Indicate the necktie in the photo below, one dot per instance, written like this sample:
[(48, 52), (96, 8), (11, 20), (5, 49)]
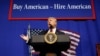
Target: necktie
[(50, 30)]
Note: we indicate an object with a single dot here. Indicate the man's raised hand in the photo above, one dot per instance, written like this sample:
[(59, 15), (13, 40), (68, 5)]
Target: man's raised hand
[(24, 37)]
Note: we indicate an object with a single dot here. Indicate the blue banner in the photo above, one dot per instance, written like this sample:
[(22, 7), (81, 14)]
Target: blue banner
[(42, 9)]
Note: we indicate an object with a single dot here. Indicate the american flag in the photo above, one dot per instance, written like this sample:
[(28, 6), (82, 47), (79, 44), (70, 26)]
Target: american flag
[(75, 38), (36, 31)]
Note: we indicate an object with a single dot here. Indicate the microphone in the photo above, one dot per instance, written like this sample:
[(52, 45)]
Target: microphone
[(51, 26)]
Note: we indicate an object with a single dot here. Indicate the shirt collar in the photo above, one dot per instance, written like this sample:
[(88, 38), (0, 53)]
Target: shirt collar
[(53, 30)]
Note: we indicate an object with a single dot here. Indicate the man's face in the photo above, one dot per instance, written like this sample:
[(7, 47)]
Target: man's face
[(52, 21)]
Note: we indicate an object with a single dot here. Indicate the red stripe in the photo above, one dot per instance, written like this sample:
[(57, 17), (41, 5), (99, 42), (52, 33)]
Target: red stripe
[(74, 41), (73, 45), (71, 49), (71, 53), (74, 36)]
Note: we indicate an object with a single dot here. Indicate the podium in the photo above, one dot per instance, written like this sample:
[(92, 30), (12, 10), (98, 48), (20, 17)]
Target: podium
[(39, 42)]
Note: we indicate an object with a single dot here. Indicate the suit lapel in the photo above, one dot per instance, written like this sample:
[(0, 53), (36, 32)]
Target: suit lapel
[(57, 32)]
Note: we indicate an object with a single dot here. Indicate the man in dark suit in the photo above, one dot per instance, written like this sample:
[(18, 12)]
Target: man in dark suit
[(52, 24)]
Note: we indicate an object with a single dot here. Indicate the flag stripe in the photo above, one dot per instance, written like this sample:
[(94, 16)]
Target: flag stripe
[(75, 38), (70, 33)]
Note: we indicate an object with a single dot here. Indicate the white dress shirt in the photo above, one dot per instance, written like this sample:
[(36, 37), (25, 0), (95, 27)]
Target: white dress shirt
[(53, 30)]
